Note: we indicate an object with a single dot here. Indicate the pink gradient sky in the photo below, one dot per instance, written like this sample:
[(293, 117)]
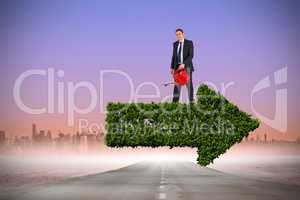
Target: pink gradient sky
[(238, 41)]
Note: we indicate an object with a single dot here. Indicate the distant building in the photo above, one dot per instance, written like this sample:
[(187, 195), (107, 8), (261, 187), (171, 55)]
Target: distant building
[(41, 138), (257, 138), (2, 137), (49, 135), (76, 139), (22, 142), (265, 138), (63, 141), (83, 143), (34, 132)]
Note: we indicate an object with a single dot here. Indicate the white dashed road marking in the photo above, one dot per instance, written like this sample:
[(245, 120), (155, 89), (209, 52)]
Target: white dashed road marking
[(163, 181), (162, 195)]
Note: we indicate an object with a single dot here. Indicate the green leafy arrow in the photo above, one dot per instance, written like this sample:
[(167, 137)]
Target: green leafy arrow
[(212, 124)]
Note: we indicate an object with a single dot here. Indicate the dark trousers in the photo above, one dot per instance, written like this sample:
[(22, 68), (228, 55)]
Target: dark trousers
[(189, 86)]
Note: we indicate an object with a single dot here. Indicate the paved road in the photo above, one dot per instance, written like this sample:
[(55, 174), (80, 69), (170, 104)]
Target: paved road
[(150, 180)]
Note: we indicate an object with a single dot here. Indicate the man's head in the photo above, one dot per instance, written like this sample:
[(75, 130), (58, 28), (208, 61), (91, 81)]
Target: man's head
[(179, 34)]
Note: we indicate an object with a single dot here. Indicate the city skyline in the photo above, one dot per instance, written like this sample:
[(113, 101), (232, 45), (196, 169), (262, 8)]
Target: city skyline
[(253, 136)]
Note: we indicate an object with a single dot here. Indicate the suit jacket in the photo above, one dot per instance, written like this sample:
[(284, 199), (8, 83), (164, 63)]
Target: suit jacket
[(188, 54)]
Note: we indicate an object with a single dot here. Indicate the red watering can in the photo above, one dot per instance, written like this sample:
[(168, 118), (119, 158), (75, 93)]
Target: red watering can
[(180, 77)]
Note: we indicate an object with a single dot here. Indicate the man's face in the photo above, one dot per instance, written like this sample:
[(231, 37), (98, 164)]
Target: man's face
[(179, 35)]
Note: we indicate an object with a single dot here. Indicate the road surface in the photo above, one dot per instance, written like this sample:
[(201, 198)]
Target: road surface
[(153, 180)]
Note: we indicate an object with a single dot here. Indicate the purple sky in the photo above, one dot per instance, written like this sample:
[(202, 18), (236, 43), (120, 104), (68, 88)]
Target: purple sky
[(235, 40)]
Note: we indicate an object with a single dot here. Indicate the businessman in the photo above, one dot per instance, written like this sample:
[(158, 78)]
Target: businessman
[(183, 52)]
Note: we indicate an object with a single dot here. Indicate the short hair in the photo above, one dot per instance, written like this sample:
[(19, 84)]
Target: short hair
[(179, 29)]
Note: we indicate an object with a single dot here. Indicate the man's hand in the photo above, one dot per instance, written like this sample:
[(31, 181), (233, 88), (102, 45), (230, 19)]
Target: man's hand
[(172, 71), (181, 66)]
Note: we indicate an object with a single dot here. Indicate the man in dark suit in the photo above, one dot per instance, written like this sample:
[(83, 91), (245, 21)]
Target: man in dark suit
[(183, 52)]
